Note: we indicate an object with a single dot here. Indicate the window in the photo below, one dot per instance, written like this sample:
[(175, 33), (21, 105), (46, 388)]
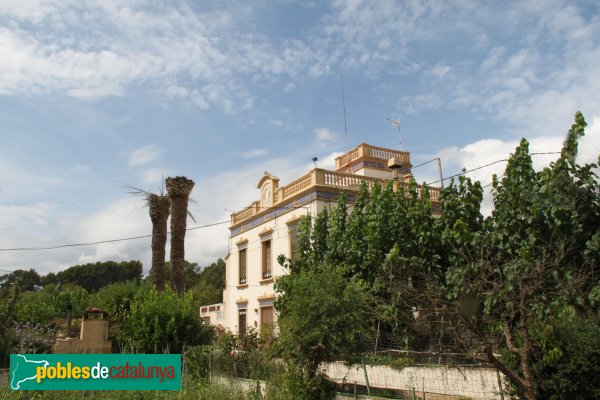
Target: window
[(242, 262), (266, 259), (266, 316), (294, 251), (242, 322)]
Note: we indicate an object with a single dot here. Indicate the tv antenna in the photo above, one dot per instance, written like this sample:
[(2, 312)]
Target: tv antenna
[(344, 107), (396, 122)]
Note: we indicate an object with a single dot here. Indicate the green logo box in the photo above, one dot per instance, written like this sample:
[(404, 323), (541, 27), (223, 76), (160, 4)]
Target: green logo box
[(95, 371)]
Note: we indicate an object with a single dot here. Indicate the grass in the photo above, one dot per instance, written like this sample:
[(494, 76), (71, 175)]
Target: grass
[(200, 390)]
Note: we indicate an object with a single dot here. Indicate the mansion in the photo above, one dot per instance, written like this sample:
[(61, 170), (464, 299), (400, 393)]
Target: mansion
[(268, 227)]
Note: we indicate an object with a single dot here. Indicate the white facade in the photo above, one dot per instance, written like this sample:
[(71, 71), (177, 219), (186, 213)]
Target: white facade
[(265, 229)]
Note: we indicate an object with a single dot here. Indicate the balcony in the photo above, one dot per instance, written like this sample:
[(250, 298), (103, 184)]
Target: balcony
[(320, 178), (366, 151)]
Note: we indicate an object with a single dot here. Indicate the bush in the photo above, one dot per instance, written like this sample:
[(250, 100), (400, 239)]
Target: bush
[(570, 365), (162, 323)]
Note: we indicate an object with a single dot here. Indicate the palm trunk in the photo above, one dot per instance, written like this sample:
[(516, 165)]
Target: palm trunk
[(159, 209), (179, 189)]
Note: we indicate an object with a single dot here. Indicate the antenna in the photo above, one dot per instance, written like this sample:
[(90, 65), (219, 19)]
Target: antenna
[(396, 122), (344, 106)]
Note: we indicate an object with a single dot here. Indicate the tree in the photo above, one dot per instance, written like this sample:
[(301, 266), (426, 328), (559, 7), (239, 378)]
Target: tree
[(72, 300), (116, 299), (209, 284), (322, 317), (162, 322), (179, 189), (25, 280), (159, 210), (531, 263), (94, 276), (490, 287)]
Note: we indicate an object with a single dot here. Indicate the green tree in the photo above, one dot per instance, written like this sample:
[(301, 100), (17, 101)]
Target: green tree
[(71, 300), (322, 317), (93, 276), (488, 286), (117, 299), (25, 280), (162, 322), (210, 283), (529, 267)]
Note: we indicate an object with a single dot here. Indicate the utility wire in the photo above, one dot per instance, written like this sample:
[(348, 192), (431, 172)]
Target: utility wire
[(62, 246), (483, 166)]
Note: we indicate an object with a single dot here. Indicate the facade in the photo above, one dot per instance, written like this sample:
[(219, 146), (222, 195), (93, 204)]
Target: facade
[(267, 228)]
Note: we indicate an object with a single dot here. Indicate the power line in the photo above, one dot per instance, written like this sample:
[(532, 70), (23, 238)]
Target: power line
[(62, 246), (483, 166)]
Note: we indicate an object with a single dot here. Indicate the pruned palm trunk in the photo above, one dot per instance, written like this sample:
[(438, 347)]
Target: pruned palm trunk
[(179, 189), (159, 209)]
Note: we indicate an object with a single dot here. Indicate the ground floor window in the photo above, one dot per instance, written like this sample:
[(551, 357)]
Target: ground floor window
[(266, 315), (242, 322)]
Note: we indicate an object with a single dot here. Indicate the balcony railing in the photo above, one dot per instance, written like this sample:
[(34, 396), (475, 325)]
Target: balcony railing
[(322, 178), (366, 150)]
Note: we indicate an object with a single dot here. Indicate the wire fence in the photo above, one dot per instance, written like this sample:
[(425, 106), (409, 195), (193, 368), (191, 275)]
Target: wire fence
[(388, 374)]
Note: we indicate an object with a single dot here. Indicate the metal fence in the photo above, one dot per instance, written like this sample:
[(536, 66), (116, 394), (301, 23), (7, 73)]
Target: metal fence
[(387, 374)]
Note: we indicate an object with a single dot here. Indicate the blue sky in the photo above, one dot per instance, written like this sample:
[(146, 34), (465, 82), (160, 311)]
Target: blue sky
[(99, 95)]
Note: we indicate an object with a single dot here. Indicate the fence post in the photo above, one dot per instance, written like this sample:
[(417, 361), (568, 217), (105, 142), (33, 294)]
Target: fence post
[(210, 352), (366, 377), (500, 385)]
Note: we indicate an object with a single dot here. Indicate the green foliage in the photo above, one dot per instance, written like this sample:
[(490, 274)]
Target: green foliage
[(25, 280), (529, 265), (210, 283), (570, 365), (70, 299), (192, 389), (566, 359), (161, 322), (484, 285), (35, 307), (206, 283), (116, 299), (247, 356), (97, 275), (322, 317)]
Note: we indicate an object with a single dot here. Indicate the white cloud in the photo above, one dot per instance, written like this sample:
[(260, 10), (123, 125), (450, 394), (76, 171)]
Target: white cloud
[(486, 151), (102, 48), (154, 176), (328, 162), (324, 135), (126, 217), (254, 153), (439, 70), (144, 155), (276, 122)]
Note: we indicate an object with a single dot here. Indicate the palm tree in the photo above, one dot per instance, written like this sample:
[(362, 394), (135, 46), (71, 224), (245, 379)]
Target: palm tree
[(179, 189), (159, 210)]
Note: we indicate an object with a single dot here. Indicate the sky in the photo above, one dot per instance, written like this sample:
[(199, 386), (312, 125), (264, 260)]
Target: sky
[(99, 96)]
